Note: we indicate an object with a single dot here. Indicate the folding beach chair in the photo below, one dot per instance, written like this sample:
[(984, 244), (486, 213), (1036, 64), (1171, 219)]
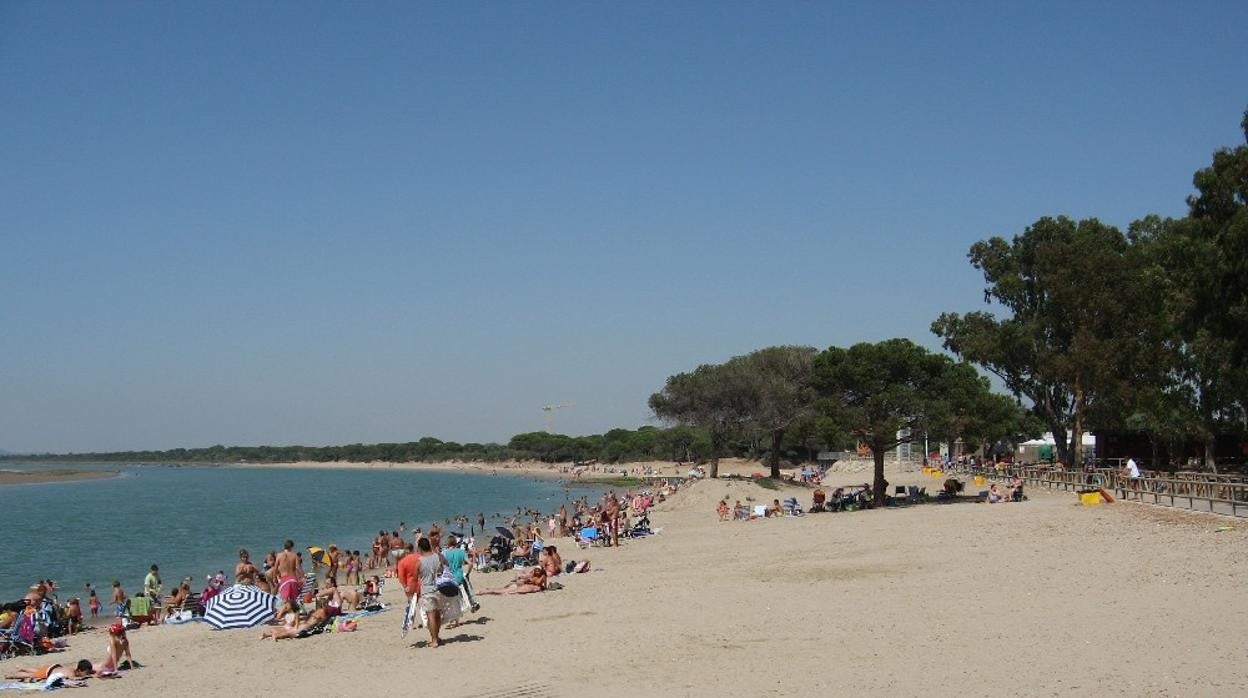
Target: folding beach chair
[(588, 536)]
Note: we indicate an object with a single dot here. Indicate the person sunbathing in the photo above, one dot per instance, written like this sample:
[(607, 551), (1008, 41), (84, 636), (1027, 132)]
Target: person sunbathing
[(288, 615), (531, 581), (81, 670), (178, 599), (333, 597), (314, 620), (1014, 494), (551, 562)]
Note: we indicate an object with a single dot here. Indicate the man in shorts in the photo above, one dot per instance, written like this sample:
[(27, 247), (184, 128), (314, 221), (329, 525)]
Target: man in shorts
[(288, 573)]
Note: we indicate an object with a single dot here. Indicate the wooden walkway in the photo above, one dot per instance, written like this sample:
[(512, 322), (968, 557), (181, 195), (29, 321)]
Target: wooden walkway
[(1216, 494)]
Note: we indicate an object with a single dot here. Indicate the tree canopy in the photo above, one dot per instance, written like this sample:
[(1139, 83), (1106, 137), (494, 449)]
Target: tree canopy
[(887, 393)]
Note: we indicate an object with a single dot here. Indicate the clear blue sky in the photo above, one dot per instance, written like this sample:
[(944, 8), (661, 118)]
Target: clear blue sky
[(334, 222)]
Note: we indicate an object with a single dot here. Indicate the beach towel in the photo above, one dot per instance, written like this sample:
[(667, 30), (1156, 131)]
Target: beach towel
[(178, 618), (415, 616), (53, 682)]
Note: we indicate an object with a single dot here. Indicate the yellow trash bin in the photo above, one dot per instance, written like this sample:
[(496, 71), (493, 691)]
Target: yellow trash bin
[(936, 473), (979, 480), (1089, 499)]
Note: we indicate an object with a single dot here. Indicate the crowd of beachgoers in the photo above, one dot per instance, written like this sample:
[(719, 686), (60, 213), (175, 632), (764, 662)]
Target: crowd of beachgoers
[(330, 587)]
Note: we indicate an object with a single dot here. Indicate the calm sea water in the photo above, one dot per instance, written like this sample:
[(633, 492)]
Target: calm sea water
[(192, 520)]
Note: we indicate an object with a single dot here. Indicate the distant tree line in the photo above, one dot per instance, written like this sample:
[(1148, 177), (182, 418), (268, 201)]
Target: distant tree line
[(676, 444)]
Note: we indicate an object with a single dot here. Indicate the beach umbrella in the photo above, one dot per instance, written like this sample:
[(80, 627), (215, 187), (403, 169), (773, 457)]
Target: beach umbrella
[(318, 554), (505, 532), (240, 606)]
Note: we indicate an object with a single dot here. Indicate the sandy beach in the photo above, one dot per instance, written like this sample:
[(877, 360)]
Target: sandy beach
[(1039, 598), (35, 477), (522, 468)]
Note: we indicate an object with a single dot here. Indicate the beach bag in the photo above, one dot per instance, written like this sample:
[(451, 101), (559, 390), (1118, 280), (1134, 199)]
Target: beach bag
[(445, 581)]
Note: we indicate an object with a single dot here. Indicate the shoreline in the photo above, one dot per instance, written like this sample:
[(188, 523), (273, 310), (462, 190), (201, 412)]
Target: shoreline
[(44, 477)]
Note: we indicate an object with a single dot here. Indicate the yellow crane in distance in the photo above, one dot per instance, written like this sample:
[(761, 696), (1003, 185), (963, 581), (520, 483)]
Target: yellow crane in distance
[(550, 414)]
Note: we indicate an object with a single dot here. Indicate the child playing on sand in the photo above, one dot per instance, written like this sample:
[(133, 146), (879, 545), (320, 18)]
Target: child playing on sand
[(94, 603), (119, 656), (73, 615)]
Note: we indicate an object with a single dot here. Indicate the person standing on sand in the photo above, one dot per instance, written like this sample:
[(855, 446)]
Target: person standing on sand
[(151, 589), (612, 512), (119, 598), (396, 548), (1131, 472), (288, 573), (333, 555), (244, 569), (457, 559), (408, 572), (430, 598)]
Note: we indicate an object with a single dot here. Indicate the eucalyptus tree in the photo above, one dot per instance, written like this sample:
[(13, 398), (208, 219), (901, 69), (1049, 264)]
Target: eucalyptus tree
[(1072, 335)]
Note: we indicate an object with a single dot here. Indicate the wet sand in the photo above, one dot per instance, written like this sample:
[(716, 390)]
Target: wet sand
[(34, 477)]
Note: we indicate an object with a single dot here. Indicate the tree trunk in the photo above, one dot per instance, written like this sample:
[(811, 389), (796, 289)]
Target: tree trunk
[(777, 435), (1211, 451), (1076, 437), (714, 470), (878, 489), (1061, 444)]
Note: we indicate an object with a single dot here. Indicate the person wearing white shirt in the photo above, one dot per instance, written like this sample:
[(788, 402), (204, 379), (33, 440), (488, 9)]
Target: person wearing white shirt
[(1131, 472)]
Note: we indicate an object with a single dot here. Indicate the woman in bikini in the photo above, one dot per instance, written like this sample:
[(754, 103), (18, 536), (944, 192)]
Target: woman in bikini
[(288, 614), (318, 617), (532, 581), (119, 656)]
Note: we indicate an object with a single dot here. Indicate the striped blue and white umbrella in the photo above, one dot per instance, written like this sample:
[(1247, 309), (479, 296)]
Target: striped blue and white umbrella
[(240, 606)]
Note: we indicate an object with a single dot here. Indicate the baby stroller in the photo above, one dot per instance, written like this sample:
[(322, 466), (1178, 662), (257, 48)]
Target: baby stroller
[(20, 638), (500, 554)]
